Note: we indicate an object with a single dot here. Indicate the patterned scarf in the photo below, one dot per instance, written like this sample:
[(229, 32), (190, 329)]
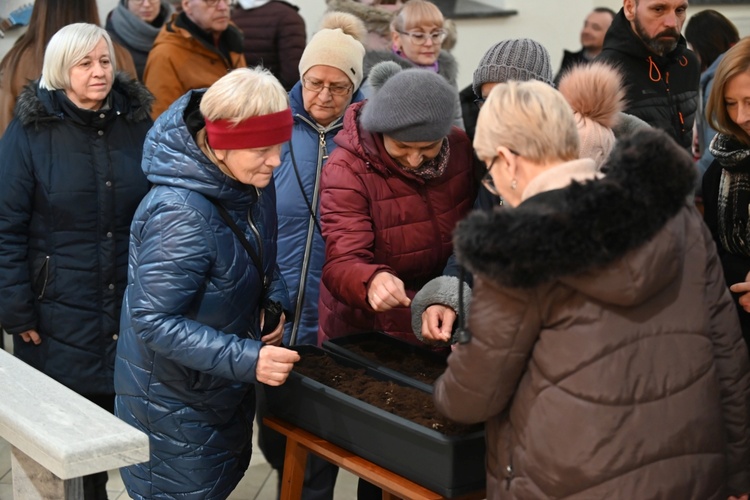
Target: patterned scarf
[(434, 168), (734, 194)]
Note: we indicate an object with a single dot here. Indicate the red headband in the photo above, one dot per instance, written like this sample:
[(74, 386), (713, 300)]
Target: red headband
[(255, 132)]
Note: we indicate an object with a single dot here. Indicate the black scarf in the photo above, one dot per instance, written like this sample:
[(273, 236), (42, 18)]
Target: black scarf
[(733, 210)]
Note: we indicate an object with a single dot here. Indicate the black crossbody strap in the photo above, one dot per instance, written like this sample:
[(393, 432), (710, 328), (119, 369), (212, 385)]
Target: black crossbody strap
[(241, 236)]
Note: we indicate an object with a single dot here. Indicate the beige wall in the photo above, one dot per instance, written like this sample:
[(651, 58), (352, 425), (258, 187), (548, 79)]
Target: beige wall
[(554, 23)]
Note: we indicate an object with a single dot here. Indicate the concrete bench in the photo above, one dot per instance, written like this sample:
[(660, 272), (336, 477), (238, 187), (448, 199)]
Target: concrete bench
[(58, 436)]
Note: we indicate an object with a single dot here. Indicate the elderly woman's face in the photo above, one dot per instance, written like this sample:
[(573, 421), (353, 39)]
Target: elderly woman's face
[(91, 78), (421, 43), (147, 10), (253, 167), (411, 155), (326, 92)]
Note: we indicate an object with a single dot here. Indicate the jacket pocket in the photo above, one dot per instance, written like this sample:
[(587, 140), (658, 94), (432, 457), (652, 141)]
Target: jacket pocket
[(41, 278)]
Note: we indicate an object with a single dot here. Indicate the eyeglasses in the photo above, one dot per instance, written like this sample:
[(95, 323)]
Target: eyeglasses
[(488, 182), (315, 86), (141, 2), (420, 38), (479, 101), (214, 3)]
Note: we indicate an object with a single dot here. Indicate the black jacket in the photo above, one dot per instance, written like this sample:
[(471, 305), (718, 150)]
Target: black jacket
[(570, 59), (662, 91), (72, 181)]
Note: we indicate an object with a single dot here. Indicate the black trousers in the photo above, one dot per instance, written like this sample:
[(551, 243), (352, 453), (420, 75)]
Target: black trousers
[(95, 485)]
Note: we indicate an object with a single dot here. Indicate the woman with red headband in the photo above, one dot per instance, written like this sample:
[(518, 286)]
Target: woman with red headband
[(203, 310)]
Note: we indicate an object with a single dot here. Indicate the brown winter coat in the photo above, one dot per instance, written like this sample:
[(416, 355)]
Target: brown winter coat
[(179, 62), (606, 355), (377, 217), (29, 68)]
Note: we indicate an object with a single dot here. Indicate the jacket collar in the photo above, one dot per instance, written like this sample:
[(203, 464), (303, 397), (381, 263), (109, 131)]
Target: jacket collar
[(571, 230)]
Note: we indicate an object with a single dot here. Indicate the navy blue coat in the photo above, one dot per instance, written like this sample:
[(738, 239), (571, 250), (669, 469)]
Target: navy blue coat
[(301, 247), (189, 346), (70, 185)]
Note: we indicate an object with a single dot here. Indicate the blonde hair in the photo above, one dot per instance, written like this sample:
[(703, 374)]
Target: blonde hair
[(242, 94), (531, 118), (67, 48), (415, 13), (735, 62)]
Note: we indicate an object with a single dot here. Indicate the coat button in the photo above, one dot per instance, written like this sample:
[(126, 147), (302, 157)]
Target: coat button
[(102, 115), (109, 234), (111, 286), (108, 184), (101, 133), (115, 336)]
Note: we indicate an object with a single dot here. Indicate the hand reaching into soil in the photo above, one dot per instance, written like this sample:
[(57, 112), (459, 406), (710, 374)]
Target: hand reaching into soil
[(274, 364), (386, 292)]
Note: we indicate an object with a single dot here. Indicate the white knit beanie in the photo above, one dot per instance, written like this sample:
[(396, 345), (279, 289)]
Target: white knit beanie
[(338, 44)]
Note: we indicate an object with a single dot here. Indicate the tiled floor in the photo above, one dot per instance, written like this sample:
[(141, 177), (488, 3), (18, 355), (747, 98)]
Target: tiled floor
[(259, 482)]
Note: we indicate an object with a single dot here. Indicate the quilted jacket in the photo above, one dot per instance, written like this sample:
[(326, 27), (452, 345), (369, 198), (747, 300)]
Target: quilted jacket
[(190, 328), (606, 355), (377, 217), (71, 183), (661, 90)]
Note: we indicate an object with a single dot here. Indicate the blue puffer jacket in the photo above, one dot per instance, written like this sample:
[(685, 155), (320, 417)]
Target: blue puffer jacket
[(189, 345), (301, 248), (70, 185)]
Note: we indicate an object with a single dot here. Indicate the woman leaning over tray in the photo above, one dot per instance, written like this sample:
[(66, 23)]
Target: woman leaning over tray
[(605, 354)]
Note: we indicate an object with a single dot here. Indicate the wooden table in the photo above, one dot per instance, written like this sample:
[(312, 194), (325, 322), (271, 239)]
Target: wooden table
[(299, 443)]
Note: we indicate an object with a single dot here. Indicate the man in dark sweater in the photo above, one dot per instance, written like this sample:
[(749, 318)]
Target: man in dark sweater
[(592, 40), (645, 44)]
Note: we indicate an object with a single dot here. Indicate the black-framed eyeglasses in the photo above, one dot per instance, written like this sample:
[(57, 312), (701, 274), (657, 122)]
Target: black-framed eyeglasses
[(316, 86), (420, 37), (479, 101), (488, 182), (214, 3)]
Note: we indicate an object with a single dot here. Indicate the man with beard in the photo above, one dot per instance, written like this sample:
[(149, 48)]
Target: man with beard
[(645, 44), (192, 51), (592, 40)]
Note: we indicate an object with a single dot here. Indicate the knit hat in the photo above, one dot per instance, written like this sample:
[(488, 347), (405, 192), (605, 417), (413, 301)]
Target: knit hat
[(414, 105), (338, 44), (518, 59), (595, 92)]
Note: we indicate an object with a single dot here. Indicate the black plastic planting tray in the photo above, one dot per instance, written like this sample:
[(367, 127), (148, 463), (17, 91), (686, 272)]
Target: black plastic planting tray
[(449, 465), (408, 363)]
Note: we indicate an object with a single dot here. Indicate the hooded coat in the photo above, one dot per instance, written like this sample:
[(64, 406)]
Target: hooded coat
[(301, 246), (606, 356), (661, 90), (378, 217), (189, 346), (71, 183)]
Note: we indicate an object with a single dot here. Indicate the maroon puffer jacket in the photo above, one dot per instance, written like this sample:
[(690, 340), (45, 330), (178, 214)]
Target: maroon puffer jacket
[(377, 217)]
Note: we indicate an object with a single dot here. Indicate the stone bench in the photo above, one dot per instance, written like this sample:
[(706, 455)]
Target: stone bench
[(58, 436)]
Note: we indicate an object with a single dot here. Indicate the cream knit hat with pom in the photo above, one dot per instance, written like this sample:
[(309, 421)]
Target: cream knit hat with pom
[(338, 44)]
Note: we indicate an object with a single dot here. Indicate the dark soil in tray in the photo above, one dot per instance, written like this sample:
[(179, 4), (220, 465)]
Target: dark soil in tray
[(422, 365), (409, 403)]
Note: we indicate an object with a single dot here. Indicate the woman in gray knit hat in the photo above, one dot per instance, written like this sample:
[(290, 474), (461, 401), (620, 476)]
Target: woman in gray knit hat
[(391, 193)]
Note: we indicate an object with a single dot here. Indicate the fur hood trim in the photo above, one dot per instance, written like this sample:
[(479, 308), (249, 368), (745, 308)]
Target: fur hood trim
[(36, 105), (583, 226)]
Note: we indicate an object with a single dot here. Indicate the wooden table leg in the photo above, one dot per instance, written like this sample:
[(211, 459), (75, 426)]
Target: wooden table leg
[(295, 460)]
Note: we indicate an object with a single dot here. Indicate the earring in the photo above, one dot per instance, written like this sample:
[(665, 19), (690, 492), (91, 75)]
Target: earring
[(513, 184)]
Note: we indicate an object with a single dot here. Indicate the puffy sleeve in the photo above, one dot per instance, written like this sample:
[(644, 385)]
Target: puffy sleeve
[(348, 231), (177, 251), (483, 374)]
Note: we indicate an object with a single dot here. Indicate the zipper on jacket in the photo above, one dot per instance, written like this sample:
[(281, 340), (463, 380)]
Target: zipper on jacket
[(44, 270), (322, 156), (255, 231)]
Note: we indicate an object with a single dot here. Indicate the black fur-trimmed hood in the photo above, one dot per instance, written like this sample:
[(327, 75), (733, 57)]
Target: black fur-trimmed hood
[(582, 227), (129, 97)]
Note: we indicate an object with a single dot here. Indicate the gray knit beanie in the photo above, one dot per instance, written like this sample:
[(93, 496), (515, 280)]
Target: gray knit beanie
[(518, 59), (414, 105)]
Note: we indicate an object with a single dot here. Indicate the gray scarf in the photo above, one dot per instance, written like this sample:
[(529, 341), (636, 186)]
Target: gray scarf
[(734, 194), (135, 31)]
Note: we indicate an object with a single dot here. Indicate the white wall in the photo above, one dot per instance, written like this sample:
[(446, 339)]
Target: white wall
[(553, 23)]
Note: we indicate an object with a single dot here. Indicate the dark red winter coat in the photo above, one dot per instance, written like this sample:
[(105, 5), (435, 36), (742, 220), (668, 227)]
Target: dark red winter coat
[(377, 217)]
